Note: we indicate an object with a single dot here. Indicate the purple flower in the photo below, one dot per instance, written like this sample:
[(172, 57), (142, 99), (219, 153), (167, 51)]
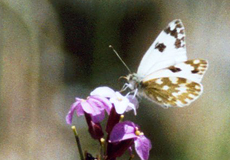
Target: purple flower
[(94, 106), (129, 131), (94, 129), (113, 119), (103, 91), (121, 103), (115, 150)]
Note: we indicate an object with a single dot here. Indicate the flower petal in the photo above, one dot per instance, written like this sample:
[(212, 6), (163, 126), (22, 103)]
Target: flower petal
[(103, 91), (88, 108), (113, 119), (94, 129), (133, 100), (96, 103), (119, 106), (142, 147), (123, 131), (115, 150), (98, 118), (120, 103), (106, 103), (131, 107), (79, 110), (69, 116)]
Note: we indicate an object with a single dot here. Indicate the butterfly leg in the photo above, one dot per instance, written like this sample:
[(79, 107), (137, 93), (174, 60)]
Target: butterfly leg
[(135, 92), (125, 86)]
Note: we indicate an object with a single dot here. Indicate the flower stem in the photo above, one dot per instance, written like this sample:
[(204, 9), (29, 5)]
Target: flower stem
[(122, 118), (131, 157), (78, 142), (102, 147)]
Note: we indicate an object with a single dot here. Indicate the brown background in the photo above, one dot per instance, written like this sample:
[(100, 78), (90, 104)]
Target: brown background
[(52, 51)]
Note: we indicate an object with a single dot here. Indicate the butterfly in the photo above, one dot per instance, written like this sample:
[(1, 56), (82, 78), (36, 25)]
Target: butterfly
[(164, 75)]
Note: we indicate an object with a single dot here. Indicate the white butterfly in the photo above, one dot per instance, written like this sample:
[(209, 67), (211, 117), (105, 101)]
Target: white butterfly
[(165, 76)]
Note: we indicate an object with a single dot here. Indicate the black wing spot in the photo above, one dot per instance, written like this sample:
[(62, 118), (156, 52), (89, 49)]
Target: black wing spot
[(160, 46), (178, 43), (173, 33), (174, 69), (195, 71)]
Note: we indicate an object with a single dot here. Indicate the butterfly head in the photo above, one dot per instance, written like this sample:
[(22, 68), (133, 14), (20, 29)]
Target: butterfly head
[(134, 80)]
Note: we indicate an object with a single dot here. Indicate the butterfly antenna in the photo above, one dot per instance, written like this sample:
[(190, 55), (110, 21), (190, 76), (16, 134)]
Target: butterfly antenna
[(110, 46)]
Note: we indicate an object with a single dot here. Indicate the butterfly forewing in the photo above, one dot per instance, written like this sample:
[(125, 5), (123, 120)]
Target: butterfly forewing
[(192, 70), (167, 50), (165, 76), (171, 91)]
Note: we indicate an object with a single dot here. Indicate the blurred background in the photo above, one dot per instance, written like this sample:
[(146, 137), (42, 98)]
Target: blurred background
[(54, 50)]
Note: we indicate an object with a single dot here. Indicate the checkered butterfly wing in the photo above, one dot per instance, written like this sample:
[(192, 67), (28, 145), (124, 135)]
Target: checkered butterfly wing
[(177, 85)]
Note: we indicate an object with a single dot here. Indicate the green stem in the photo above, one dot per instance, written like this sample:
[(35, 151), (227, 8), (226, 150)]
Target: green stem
[(131, 157), (78, 142), (122, 118), (102, 147)]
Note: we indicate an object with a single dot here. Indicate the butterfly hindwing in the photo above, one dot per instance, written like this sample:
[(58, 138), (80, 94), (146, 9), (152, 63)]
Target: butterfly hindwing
[(192, 70), (171, 91), (167, 50)]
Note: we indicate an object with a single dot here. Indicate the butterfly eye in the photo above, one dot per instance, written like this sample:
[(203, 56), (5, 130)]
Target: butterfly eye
[(132, 77)]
